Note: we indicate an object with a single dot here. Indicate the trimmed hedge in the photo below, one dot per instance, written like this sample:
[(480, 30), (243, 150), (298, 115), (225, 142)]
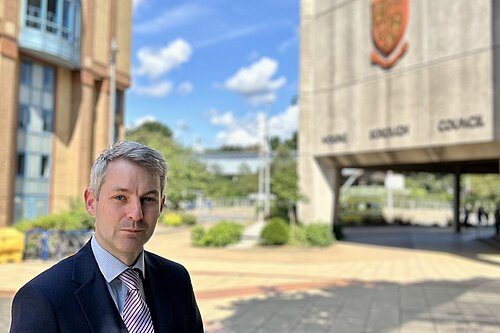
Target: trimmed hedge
[(276, 232), (197, 234), (297, 236), (76, 219), (319, 234), (175, 219), (188, 219), (221, 234), (172, 219)]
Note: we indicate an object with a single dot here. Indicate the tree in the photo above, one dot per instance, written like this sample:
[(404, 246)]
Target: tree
[(186, 175), (484, 189), (292, 142), (241, 185), (151, 127), (274, 142), (284, 181), (246, 182)]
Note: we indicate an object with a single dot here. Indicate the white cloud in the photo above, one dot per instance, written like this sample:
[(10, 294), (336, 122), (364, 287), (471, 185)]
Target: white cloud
[(185, 88), (284, 124), (159, 89), (244, 131), (235, 132), (236, 137), (178, 16), (225, 119), (156, 62), (256, 82), (139, 121)]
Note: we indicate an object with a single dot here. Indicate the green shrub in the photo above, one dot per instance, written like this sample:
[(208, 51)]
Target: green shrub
[(76, 219), (188, 219), (276, 232), (172, 219), (197, 234), (319, 234), (297, 236), (221, 234), (279, 211)]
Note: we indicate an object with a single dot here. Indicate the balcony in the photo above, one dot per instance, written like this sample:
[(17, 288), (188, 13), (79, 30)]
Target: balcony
[(50, 29)]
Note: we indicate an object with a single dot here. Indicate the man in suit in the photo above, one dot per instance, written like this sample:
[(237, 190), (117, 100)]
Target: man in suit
[(92, 291)]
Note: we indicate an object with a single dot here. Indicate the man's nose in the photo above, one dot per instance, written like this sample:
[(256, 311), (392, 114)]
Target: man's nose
[(135, 210)]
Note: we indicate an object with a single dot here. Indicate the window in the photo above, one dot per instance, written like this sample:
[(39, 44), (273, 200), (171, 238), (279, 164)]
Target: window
[(47, 120), (66, 19), (118, 101), (20, 164), (48, 79), (44, 166), (52, 16), (26, 72), (24, 116), (36, 97), (33, 11)]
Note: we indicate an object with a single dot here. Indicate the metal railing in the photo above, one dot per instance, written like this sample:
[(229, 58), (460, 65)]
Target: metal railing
[(54, 244)]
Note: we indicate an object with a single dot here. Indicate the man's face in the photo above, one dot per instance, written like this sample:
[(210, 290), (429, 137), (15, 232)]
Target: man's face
[(128, 207)]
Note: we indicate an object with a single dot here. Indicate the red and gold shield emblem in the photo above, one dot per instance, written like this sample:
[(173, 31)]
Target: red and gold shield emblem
[(389, 21)]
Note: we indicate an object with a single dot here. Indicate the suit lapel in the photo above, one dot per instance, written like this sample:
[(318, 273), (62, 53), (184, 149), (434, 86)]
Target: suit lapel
[(158, 291), (93, 294)]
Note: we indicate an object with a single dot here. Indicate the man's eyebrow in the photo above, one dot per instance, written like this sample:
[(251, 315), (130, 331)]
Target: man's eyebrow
[(155, 192), (119, 189), (125, 190)]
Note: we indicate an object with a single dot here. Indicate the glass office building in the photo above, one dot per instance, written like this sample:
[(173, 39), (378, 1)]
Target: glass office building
[(54, 96)]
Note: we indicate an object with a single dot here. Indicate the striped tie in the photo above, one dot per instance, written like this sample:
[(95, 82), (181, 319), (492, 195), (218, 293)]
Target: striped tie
[(136, 314)]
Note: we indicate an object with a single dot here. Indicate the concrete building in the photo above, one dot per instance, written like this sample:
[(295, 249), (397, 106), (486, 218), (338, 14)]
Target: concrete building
[(55, 98), (396, 85)]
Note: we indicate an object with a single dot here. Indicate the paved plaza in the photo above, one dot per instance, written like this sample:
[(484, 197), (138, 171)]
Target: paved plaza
[(384, 279)]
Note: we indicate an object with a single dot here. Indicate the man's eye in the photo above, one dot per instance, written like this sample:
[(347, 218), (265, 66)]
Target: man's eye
[(119, 197), (148, 199)]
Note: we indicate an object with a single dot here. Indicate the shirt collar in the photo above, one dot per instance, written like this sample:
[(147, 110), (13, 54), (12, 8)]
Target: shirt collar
[(109, 265)]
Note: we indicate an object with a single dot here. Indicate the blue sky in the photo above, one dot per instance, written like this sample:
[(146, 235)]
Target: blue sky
[(208, 68)]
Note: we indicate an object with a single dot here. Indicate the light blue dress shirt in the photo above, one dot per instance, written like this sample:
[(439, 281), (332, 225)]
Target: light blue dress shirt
[(111, 267)]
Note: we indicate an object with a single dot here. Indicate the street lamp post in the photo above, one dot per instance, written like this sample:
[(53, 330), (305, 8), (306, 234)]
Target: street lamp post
[(264, 171)]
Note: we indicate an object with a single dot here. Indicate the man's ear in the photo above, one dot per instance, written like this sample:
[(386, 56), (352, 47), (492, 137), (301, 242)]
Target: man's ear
[(162, 203), (90, 202)]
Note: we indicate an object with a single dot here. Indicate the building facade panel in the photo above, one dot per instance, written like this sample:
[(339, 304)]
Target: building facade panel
[(8, 123), (427, 96), (52, 95), (124, 13), (101, 38), (323, 66)]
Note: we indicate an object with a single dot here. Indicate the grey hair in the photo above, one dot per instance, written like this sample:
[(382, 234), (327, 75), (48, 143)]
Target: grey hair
[(142, 155)]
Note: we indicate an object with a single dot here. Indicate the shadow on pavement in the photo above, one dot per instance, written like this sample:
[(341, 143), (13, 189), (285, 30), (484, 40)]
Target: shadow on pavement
[(472, 243), (434, 306)]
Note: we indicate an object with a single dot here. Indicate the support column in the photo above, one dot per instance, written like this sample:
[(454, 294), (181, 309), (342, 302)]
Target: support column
[(336, 194), (456, 200), (319, 181), (8, 123)]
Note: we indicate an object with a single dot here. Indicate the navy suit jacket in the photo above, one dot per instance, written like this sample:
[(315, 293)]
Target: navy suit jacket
[(72, 296)]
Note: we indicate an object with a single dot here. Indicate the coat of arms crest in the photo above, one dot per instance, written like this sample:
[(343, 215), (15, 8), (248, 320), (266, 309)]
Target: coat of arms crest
[(389, 21)]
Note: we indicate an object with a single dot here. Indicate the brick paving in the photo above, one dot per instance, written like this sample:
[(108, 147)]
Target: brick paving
[(391, 279)]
